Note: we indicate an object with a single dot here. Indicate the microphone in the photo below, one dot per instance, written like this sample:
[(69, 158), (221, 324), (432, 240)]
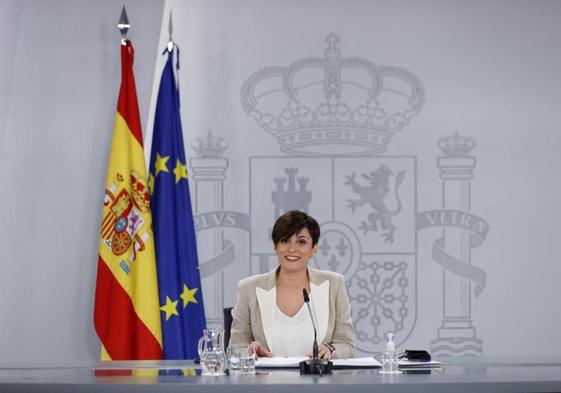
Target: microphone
[(314, 365), (315, 347)]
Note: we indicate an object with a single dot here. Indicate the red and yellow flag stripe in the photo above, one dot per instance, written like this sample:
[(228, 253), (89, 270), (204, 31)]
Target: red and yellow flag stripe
[(126, 314)]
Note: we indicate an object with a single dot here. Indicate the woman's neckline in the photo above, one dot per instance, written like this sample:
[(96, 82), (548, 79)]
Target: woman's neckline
[(288, 316)]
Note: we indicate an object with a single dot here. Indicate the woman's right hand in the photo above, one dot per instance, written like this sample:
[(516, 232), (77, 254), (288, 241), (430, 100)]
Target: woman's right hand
[(260, 350)]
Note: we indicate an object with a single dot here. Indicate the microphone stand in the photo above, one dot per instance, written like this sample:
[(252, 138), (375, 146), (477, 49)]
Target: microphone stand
[(314, 365)]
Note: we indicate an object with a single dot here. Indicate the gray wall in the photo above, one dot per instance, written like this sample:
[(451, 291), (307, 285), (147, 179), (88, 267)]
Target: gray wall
[(489, 70), (60, 74)]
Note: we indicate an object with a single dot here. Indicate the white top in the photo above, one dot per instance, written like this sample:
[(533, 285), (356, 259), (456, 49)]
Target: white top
[(293, 336)]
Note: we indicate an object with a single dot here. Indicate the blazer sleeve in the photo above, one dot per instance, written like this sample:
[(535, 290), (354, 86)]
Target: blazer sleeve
[(342, 339), (241, 332)]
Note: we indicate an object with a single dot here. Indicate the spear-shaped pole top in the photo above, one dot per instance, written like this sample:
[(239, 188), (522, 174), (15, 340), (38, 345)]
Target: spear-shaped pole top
[(171, 44), (124, 24)]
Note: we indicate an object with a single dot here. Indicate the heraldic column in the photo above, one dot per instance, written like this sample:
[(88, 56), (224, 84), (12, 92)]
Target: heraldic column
[(209, 172), (456, 336)]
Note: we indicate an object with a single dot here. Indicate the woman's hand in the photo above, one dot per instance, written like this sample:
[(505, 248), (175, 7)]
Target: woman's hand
[(324, 352), (260, 350)]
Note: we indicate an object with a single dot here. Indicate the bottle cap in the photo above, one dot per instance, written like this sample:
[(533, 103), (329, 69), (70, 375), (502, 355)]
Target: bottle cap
[(390, 346)]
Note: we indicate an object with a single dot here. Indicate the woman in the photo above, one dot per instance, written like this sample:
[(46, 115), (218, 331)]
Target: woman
[(270, 313)]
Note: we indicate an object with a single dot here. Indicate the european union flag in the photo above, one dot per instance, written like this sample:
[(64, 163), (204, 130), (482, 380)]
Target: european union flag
[(179, 280)]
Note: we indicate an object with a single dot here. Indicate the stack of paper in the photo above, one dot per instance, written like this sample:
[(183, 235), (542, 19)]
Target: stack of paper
[(367, 362), (418, 364)]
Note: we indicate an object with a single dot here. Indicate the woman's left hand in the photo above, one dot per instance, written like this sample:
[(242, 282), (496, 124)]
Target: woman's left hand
[(323, 352)]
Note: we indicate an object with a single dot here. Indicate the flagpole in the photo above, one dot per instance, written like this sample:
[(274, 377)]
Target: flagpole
[(123, 25), (171, 44), (158, 67)]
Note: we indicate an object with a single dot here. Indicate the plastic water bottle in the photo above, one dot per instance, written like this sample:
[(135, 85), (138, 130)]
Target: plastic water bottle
[(390, 359)]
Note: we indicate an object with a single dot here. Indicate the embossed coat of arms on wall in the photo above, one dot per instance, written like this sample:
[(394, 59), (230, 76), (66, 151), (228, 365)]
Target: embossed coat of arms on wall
[(333, 118)]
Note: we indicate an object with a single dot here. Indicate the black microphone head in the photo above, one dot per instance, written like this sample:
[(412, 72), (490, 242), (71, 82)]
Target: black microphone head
[(306, 297)]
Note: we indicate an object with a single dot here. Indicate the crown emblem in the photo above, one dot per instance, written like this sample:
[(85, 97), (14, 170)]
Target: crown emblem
[(210, 146), (333, 105), (140, 192), (456, 145)]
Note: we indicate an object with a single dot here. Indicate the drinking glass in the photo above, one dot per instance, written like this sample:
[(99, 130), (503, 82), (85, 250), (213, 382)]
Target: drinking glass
[(241, 360)]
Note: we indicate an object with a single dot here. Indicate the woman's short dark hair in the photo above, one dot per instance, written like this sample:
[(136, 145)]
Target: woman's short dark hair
[(292, 222)]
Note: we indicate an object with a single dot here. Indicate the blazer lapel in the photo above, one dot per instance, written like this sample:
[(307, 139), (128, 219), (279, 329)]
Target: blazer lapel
[(267, 299)]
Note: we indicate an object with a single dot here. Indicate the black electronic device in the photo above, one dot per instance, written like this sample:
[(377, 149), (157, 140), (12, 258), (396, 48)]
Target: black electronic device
[(416, 355)]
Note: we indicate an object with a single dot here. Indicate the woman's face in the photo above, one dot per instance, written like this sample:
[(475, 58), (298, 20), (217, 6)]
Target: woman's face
[(294, 252)]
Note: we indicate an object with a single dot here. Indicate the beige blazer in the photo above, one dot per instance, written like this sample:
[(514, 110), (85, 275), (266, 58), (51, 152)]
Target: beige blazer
[(253, 315)]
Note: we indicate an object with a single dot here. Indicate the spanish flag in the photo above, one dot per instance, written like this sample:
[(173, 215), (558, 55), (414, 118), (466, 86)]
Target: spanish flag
[(127, 311)]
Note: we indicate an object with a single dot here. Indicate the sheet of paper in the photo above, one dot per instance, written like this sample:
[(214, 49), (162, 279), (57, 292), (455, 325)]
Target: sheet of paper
[(292, 362), (356, 362), (280, 362)]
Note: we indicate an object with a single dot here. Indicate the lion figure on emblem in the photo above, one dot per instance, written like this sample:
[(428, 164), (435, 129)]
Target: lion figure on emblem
[(374, 195)]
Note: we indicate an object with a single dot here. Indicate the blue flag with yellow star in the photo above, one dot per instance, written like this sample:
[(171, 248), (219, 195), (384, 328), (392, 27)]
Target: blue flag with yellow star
[(179, 280)]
